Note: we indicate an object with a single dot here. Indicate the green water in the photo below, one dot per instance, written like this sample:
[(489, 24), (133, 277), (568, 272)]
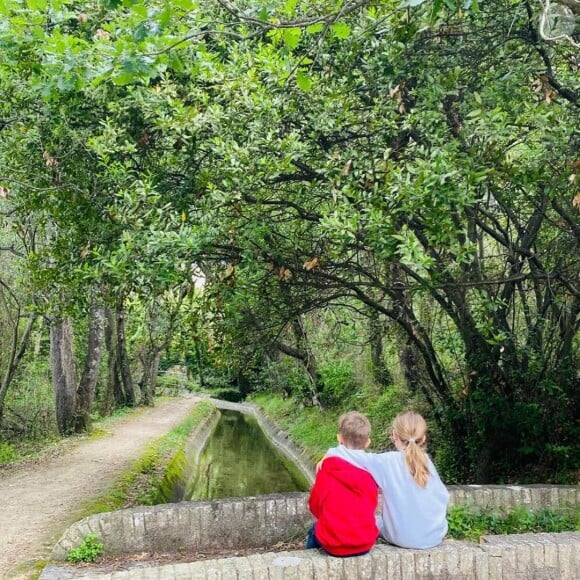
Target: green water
[(238, 460)]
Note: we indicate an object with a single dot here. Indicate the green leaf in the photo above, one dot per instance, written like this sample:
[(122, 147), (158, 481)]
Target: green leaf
[(37, 4), (303, 81), (290, 7), (315, 28), (341, 30), (291, 37), (437, 4)]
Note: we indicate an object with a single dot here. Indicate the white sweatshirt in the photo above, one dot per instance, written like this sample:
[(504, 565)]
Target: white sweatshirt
[(412, 516)]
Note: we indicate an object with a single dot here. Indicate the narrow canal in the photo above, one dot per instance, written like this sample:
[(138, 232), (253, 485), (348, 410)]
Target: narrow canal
[(237, 461)]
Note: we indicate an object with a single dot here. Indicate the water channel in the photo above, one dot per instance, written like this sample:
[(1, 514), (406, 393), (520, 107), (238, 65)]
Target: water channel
[(238, 461)]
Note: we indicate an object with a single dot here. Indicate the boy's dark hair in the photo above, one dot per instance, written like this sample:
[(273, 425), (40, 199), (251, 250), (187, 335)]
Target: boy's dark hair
[(355, 429)]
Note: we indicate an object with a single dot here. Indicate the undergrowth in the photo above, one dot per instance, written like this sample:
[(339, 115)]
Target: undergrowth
[(468, 523)]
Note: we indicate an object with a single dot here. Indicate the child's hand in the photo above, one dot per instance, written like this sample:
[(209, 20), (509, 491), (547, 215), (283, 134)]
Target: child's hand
[(319, 465)]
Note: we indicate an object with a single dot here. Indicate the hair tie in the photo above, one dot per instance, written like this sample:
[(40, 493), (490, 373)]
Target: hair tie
[(411, 441)]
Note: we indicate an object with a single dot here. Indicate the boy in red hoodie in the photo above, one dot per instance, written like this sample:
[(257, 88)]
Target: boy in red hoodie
[(344, 497)]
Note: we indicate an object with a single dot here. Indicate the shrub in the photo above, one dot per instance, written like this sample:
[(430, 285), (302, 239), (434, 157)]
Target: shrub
[(338, 380), (7, 453), (87, 551)]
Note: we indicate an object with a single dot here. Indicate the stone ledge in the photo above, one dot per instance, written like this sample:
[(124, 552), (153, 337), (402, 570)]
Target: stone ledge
[(256, 521), (521, 557)]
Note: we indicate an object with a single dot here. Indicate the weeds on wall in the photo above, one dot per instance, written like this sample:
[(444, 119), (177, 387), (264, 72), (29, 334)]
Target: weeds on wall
[(87, 551)]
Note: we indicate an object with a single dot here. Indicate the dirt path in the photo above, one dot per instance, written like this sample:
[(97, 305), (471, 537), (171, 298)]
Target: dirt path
[(38, 502)]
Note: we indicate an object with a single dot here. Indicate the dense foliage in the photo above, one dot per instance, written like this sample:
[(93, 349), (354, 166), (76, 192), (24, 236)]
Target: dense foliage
[(403, 171)]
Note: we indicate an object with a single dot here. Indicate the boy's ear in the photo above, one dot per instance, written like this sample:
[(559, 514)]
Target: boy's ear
[(339, 439), (367, 443)]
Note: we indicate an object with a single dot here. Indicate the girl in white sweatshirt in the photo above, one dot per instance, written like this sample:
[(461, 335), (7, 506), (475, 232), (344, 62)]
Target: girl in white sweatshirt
[(414, 497)]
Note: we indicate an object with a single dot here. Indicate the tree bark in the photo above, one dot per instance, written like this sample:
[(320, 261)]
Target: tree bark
[(150, 358), (308, 360), (63, 375), (88, 382), (114, 394), (381, 373), (132, 394)]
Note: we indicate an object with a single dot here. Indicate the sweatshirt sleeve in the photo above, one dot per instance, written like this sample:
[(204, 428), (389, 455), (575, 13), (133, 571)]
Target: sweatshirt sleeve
[(370, 462)]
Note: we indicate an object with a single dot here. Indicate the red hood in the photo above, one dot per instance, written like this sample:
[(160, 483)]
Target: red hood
[(344, 500)]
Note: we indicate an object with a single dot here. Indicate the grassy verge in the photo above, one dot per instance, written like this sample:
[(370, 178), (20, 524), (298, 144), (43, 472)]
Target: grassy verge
[(466, 523), (310, 429), (138, 486)]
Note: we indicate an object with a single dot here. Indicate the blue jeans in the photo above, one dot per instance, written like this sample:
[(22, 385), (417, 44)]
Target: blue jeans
[(311, 541)]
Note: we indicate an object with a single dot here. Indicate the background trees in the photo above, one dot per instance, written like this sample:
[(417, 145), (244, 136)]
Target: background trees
[(410, 173)]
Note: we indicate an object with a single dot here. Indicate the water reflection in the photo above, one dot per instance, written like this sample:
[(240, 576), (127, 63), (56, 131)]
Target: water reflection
[(238, 461)]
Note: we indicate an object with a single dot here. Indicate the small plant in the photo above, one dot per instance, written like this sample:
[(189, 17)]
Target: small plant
[(87, 551), (7, 453)]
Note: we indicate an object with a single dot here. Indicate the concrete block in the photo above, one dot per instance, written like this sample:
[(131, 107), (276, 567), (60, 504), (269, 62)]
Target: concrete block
[(379, 568), (407, 560), (291, 566), (334, 568), (319, 566), (365, 567), (259, 568), (566, 561)]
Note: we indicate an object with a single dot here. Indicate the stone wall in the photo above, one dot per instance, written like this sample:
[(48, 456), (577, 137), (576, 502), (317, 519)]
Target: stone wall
[(258, 521), (517, 557)]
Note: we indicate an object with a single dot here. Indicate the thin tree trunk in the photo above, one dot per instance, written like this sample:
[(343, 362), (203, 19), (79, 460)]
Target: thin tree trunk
[(63, 375), (308, 360), (148, 383), (380, 371), (199, 360), (114, 395), (17, 352), (88, 383), (131, 389)]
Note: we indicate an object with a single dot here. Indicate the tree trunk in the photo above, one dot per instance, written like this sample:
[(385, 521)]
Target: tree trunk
[(199, 360), (308, 360), (63, 375), (381, 373), (130, 388), (17, 351), (88, 383), (150, 358), (114, 394)]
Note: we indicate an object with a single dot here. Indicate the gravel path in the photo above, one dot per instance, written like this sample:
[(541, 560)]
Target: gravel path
[(39, 501)]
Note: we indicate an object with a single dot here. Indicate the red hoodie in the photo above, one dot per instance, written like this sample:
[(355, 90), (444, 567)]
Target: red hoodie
[(343, 500)]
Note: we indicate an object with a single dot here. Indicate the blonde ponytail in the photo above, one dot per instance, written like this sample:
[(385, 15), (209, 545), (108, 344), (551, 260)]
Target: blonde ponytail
[(411, 428)]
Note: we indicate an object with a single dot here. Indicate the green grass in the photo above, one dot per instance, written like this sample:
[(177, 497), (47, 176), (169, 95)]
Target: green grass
[(313, 430), (468, 523), (138, 485)]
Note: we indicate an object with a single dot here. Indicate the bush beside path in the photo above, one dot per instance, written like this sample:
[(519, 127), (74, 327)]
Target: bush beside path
[(38, 501)]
